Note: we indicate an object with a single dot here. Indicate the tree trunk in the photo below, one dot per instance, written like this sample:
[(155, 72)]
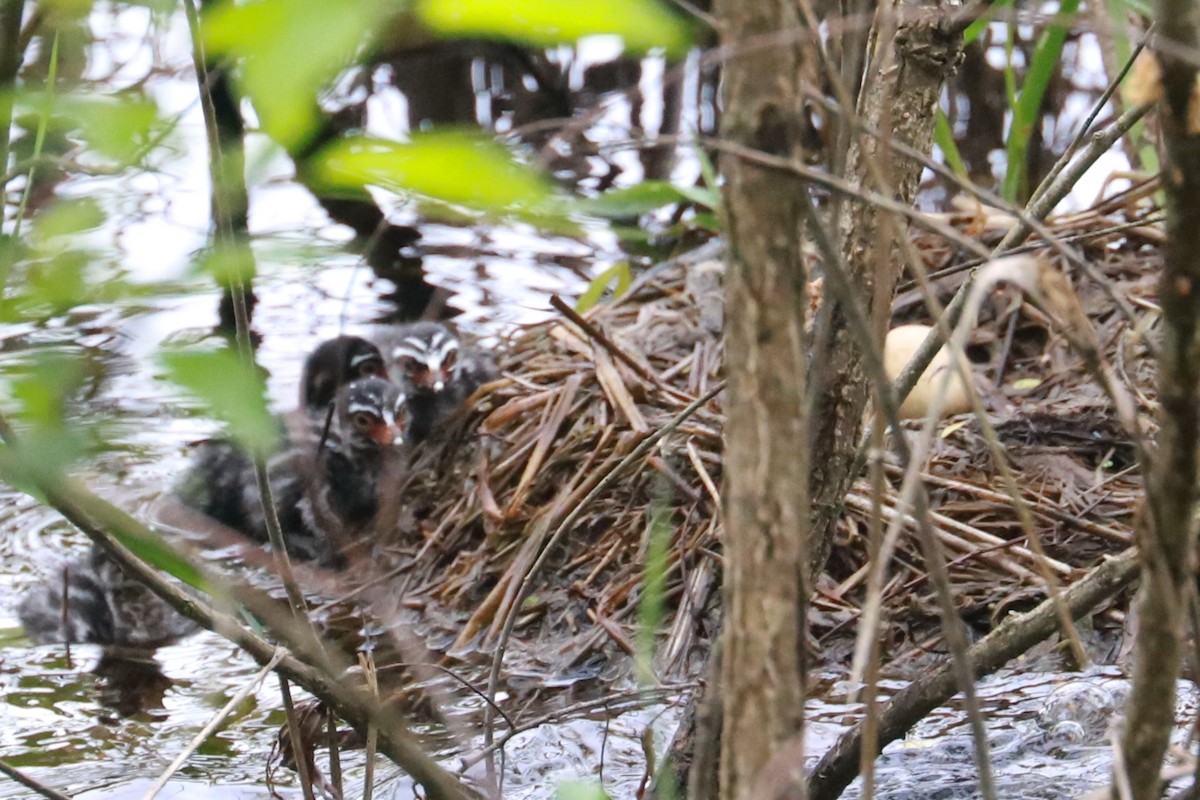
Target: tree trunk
[(766, 511), (770, 552), (914, 48), (1166, 544)]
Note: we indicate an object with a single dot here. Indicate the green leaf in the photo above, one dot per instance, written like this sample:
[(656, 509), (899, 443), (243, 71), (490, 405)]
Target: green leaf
[(707, 221), (580, 790), (228, 264), (642, 24), (976, 28), (1140, 7), (654, 584), (65, 218), (116, 126), (943, 137), (292, 48), (1027, 109), (634, 201), (456, 167), (43, 386), (41, 390), (40, 457), (708, 171), (617, 274), (56, 285), (231, 390), (159, 554)]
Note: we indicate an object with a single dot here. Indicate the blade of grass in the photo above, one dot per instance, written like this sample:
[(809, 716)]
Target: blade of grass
[(943, 137), (1026, 109)]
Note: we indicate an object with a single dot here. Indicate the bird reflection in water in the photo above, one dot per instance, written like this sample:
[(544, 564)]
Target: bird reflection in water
[(132, 684)]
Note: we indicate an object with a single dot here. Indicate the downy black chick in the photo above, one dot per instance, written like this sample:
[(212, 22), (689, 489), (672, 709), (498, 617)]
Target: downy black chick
[(436, 371)]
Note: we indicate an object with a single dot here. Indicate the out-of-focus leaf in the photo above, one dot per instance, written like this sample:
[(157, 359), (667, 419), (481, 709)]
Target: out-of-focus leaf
[(707, 221), (59, 277), (40, 390), (654, 582), (642, 24), (40, 457), (580, 790), (67, 8), (452, 166), (230, 389), (976, 28), (618, 276), (157, 553), (56, 284), (65, 218), (1141, 7), (291, 49), (115, 126), (42, 387), (708, 197), (634, 201), (229, 264), (708, 170)]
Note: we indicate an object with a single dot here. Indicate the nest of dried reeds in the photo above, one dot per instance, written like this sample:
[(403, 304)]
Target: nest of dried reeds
[(554, 457), (1073, 464), (535, 511)]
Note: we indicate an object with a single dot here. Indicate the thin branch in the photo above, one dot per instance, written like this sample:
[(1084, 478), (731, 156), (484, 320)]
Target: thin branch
[(30, 783), (98, 519), (1012, 637), (211, 727)]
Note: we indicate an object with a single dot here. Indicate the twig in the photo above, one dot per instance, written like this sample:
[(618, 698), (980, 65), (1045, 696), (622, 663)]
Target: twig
[(97, 519), (913, 493), (1030, 220), (221, 174), (608, 344), (30, 783), (1167, 540), (294, 736), (212, 725), (367, 662), (636, 698), (1015, 635), (1097, 107)]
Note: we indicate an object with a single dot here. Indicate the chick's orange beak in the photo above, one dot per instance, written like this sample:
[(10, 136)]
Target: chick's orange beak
[(383, 433)]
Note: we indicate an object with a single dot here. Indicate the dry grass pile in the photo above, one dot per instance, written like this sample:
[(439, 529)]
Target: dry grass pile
[(577, 397), (520, 474), (1074, 464)]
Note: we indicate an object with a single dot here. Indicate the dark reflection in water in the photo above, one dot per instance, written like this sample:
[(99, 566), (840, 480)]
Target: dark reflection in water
[(132, 684)]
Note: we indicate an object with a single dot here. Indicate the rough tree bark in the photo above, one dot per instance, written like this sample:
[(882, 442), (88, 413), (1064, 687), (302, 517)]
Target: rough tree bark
[(1167, 553), (766, 513), (915, 46)]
